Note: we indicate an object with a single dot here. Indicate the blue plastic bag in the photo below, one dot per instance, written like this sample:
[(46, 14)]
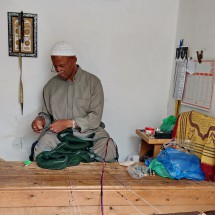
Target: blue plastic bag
[(181, 165)]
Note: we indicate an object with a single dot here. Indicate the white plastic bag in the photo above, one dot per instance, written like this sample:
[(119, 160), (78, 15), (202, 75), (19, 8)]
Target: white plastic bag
[(137, 171)]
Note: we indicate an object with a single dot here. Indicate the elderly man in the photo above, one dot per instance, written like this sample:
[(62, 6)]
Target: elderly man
[(72, 99)]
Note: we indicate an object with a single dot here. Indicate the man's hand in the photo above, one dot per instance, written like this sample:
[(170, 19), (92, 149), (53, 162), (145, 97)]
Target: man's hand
[(60, 125), (38, 124)]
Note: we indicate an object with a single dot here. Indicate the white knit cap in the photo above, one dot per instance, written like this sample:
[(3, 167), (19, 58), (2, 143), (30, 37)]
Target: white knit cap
[(63, 48)]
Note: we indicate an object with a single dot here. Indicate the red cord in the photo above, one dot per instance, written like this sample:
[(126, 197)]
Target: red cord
[(102, 177), (102, 183)]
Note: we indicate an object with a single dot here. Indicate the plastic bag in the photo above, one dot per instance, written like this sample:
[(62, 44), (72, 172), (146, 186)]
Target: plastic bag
[(181, 165), (168, 124), (159, 169), (137, 171)]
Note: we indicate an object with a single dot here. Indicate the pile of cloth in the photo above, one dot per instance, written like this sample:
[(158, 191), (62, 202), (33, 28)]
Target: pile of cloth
[(70, 152)]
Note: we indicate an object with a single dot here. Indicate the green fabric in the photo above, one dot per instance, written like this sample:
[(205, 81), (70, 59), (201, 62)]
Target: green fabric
[(159, 169), (70, 152)]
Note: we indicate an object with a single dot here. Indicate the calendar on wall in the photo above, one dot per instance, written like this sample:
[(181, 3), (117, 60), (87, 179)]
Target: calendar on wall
[(198, 87)]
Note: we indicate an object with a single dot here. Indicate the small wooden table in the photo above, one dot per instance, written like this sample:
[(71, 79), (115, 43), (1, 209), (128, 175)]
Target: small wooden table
[(150, 143)]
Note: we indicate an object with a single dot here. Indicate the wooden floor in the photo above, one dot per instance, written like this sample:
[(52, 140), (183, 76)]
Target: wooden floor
[(76, 190)]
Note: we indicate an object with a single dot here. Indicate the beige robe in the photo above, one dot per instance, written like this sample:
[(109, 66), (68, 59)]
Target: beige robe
[(82, 100)]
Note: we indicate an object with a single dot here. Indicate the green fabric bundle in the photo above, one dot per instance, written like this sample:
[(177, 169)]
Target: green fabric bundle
[(70, 152), (158, 168)]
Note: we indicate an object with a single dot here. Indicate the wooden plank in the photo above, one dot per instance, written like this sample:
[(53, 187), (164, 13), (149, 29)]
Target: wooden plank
[(111, 197), (95, 210), (76, 190), (115, 175)]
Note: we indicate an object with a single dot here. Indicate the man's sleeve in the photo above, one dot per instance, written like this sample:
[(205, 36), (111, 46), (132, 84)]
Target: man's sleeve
[(45, 113), (94, 116)]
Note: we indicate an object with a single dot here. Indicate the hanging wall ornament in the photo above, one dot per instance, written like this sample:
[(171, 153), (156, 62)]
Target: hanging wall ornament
[(22, 40)]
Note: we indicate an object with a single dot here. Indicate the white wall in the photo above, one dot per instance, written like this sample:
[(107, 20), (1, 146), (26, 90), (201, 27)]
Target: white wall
[(196, 27), (128, 44)]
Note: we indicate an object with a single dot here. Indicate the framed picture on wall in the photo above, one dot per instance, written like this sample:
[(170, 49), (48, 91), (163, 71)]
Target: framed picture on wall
[(22, 34)]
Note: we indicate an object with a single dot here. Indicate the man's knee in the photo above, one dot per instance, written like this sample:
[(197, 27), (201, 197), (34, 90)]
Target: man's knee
[(47, 142), (106, 149)]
